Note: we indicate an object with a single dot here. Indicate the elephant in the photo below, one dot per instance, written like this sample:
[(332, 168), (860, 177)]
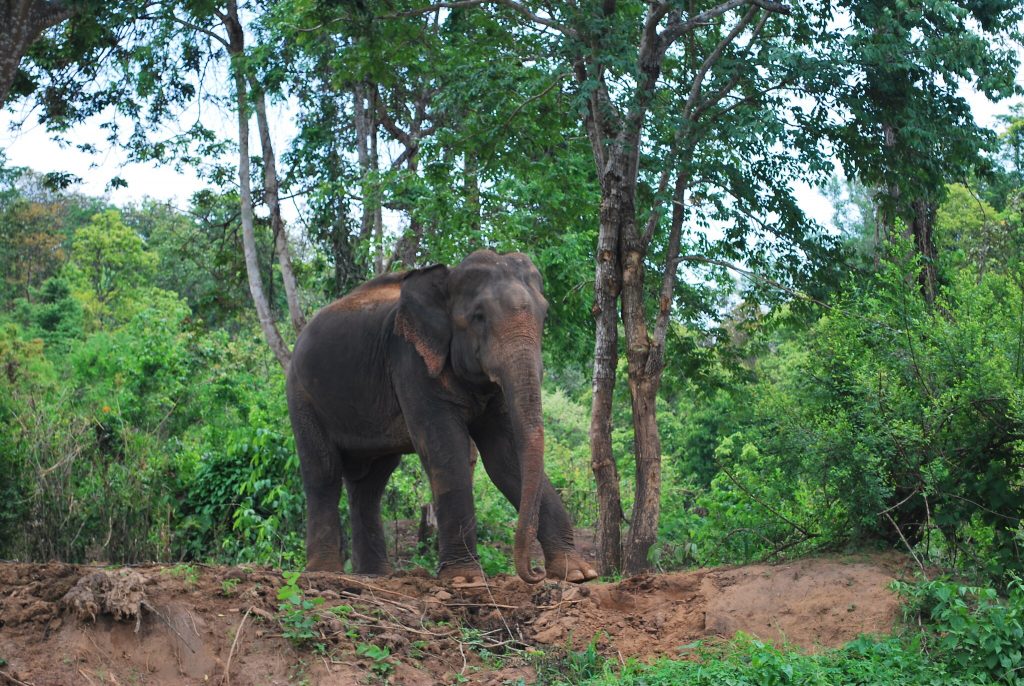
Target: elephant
[(429, 361)]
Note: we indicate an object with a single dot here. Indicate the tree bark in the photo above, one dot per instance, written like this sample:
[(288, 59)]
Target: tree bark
[(607, 284), (371, 219), (618, 168), (471, 189), (271, 191), (21, 23), (236, 43), (408, 248), (922, 226)]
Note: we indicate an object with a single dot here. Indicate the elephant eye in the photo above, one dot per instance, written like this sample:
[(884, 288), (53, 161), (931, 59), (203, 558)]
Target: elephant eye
[(478, 316)]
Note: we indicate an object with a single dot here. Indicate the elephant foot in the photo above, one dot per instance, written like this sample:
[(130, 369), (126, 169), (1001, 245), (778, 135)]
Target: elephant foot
[(374, 571), (463, 575), (325, 565), (569, 566)]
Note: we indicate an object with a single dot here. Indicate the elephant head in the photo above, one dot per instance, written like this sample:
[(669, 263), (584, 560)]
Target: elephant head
[(484, 320)]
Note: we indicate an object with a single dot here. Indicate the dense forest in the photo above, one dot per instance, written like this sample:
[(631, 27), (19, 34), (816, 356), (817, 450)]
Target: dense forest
[(726, 380)]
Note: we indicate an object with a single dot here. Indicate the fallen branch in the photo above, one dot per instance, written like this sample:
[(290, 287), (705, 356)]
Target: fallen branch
[(771, 509), (146, 604), (903, 538), (231, 653), (8, 679)]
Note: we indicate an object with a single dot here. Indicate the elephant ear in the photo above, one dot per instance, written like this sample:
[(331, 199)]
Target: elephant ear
[(423, 318)]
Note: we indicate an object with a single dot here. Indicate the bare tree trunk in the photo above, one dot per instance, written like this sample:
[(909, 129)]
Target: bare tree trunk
[(471, 188), (644, 372), (361, 120), (607, 285), (646, 364), (21, 23), (923, 225), (236, 40), (272, 194), (615, 139), (408, 248), (378, 210)]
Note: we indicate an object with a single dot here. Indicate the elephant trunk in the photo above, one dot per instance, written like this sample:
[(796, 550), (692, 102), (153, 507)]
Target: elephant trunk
[(520, 382)]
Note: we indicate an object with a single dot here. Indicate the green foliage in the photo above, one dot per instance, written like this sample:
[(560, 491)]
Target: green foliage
[(115, 405), (567, 666), (973, 630), (297, 613), (748, 661), (380, 658), (567, 452), (884, 409), (186, 572), (108, 263)]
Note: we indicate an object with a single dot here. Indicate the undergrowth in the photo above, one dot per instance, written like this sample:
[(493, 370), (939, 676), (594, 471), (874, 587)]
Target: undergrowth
[(953, 634)]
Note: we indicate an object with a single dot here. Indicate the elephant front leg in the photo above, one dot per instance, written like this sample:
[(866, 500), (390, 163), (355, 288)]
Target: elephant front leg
[(445, 452), (494, 438)]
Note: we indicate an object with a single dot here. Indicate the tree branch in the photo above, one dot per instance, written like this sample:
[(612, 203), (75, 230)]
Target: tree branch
[(673, 33), (668, 280), (517, 7), (389, 124), (701, 259), (716, 54), (189, 25), (766, 506)]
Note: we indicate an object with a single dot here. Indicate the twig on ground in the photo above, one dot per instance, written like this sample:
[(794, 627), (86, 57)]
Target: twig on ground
[(234, 643), (149, 606), (8, 679), (494, 604)]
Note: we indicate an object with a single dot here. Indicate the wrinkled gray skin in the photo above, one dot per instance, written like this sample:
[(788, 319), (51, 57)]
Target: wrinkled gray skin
[(424, 361)]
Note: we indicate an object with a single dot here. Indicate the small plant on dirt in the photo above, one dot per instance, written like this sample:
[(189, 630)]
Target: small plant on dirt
[(228, 586), (186, 572), (567, 665), (493, 561), (476, 641), (379, 656), (418, 650), (297, 613), (299, 673)]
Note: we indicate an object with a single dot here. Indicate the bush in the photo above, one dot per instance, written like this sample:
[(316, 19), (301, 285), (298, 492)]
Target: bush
[(888, 420), (956, 635)]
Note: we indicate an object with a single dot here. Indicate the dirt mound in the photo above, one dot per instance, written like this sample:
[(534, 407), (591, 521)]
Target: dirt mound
[(67, 624)]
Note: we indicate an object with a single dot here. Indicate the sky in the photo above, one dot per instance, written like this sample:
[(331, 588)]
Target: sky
[(26, 143)]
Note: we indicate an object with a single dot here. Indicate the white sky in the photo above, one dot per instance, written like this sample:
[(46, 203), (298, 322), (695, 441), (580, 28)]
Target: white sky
[(27, 143)]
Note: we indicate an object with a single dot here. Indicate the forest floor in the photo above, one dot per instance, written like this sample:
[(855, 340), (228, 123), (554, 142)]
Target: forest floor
[(195, 624)]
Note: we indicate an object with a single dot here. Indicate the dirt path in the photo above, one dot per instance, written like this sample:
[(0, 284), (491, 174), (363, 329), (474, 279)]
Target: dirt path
[(73, 624)]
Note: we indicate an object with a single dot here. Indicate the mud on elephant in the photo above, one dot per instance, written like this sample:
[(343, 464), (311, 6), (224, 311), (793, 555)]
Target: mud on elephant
[(423, 361)]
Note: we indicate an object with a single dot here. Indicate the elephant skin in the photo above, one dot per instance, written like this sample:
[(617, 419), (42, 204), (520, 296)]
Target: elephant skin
[(429, 361)]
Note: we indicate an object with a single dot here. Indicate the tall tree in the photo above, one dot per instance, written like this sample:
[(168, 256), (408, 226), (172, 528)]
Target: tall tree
[(161, 69), (909, 130)]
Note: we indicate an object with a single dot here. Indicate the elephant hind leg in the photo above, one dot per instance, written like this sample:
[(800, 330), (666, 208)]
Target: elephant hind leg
[(320, 464), (369, 546)]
